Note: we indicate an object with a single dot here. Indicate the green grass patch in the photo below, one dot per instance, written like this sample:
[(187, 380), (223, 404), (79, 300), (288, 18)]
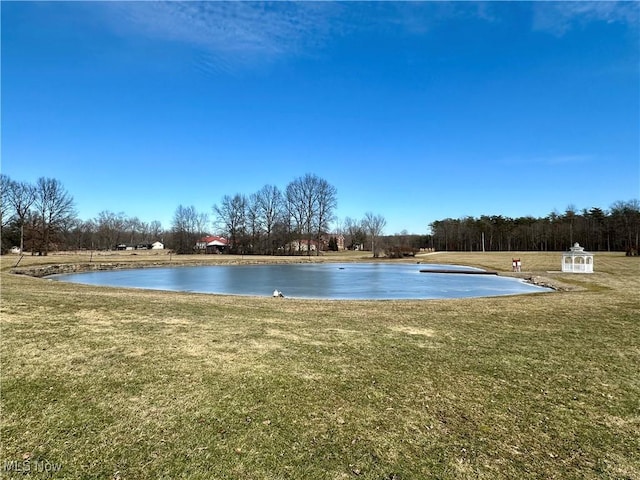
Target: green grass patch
[(131, 384)]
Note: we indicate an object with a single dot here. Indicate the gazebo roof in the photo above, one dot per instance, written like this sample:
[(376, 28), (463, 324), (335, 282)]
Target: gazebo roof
[(577, 250)]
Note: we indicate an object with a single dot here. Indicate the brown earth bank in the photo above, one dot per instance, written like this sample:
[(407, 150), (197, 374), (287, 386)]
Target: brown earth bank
[(70, 262), (545, 281)]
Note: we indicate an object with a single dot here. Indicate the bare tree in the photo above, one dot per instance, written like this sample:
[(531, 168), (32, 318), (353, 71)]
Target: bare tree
[(6, 213), (296, 208), (80, 234), (327, 201), (269, 208), (110, 228), (187, 226), (143, 232), (133, 225), (201, 222), (55, 210), (254, 226), (355, 232), (231, 215), (155, 229), (374, 226), (21, 196), (311, 201)]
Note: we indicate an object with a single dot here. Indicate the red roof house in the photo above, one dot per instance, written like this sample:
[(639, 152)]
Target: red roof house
[(212, 244)]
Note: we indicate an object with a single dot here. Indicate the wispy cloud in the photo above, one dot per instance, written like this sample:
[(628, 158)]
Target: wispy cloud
[(232, 32), (560, 17), (228, 34)]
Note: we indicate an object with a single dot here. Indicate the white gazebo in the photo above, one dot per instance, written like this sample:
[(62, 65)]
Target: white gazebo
[(576, 260)]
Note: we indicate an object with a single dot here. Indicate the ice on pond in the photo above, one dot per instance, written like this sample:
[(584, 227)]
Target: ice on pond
[(344, 281)]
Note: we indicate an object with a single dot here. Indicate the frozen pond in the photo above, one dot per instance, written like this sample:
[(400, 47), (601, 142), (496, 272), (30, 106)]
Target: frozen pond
[(344, 281)]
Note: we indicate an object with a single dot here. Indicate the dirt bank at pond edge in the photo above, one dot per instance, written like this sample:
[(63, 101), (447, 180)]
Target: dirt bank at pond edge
[(54, 269), (46, 270), (550, 283)]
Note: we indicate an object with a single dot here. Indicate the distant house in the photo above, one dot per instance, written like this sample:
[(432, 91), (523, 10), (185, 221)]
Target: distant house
[(211, 244), (140, 246), (339, 240), (306, 245), (303, 245), (15, 250)]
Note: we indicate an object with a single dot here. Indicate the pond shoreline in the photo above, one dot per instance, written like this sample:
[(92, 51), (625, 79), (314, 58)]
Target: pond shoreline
[(64, 268), (543, 281), (60, 268)]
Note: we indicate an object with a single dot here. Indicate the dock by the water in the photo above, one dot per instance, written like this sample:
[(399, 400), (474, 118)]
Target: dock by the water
[(466, 272)]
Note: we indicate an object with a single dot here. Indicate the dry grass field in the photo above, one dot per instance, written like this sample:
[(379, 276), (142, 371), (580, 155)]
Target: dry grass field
[(108, 383)]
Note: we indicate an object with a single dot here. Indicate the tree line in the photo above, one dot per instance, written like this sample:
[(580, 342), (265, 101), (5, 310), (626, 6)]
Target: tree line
[(615, 229), (269, 221), (41, 217), (35, 215), (262, 222)]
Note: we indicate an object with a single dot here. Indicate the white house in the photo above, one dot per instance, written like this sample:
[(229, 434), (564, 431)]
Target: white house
[(576, 260), (157, 246)]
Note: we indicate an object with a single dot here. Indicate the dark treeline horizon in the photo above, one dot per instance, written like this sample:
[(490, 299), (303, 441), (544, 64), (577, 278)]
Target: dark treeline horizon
[(615, 229)]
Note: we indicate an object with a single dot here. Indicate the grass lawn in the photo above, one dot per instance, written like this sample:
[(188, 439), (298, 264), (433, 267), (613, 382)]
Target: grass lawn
[(107, 383)]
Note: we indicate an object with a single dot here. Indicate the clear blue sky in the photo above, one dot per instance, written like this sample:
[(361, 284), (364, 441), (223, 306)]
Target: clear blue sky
[(415, 111)]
